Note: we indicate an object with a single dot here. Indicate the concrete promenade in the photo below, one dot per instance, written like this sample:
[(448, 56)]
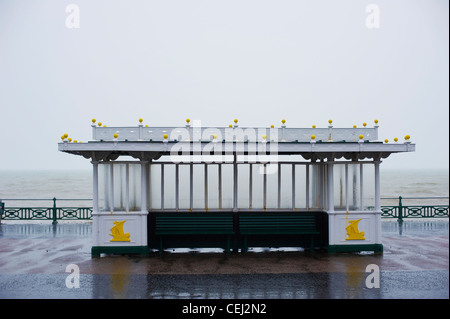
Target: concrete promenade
[(34, 257)]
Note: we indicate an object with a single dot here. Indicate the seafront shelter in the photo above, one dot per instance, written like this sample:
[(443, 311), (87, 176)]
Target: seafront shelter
[(235, 187)]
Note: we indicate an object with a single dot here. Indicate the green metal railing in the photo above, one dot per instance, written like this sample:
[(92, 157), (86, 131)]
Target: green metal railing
[(56, 212), (53, 213), (402, 211)]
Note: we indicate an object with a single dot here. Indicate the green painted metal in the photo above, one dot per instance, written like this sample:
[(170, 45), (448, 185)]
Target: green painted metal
[(402, 211), (276, 223), (118, 250), (56, 212), (376, 248), (219, 225), (53, 213)]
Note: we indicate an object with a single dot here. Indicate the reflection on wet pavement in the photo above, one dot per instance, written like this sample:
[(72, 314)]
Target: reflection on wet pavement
[(33, 259)]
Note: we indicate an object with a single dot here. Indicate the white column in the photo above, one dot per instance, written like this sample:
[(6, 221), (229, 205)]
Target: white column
[(235, 183), (265, 186), (111, 187), (332, 218), (306, 186), (250, 186), (95, 186), (219, 173), (127, 187), (346, 187), (162, 186), (206, 185), (377, 186), (279, 186), (144, 187), (177, 186), (293, 186), (95, 209), (191, 186), (377, 202), (361, 187), (330, 187)]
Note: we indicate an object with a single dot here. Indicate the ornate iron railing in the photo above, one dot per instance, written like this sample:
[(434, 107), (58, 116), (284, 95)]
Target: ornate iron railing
[(53, 213), (56, 213), (401, 211)]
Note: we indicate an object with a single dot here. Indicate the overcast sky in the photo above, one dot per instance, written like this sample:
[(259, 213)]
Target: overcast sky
[(215, 60)]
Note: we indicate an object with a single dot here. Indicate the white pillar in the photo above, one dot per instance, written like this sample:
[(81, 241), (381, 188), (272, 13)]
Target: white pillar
[(95, 186), (177, 186), (127, 187), (144, 187), (330, 187), (332, 218), (235, 183), (191, 186), (95, 208), (361, 186), (144, 211), (307, 184), (111, 187), (377, 185), (293, 187), (377, 215), (346, 187)]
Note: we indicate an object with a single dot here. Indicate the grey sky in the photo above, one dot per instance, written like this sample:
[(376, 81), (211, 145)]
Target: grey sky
[(258, 61)]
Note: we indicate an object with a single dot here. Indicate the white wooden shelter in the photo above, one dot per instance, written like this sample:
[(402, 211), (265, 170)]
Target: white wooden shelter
[(140, 170)]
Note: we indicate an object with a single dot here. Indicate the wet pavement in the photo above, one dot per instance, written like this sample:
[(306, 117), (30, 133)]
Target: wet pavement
[(34, 257)]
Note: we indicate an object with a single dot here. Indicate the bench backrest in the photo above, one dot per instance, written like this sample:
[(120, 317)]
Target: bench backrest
[(277, 223), (194, 223)]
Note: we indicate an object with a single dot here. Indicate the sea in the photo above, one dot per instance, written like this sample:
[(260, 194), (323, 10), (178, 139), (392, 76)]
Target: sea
[(17, 187)]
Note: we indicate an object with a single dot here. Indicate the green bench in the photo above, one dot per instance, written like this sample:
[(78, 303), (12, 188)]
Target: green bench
[(281, 223), (188, 223)]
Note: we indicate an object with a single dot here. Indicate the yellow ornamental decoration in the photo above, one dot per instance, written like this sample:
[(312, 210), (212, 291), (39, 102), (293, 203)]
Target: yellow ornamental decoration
[(353, 231), (117, 232)]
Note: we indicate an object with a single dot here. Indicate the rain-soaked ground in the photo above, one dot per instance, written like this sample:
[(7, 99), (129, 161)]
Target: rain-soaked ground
[(34, 258)]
